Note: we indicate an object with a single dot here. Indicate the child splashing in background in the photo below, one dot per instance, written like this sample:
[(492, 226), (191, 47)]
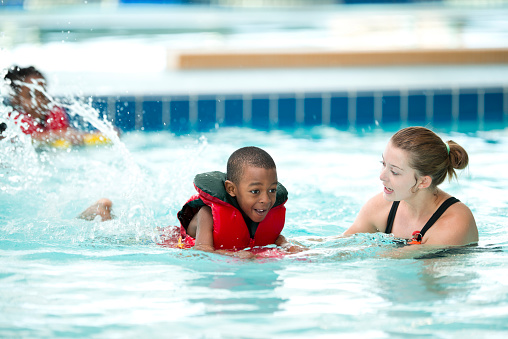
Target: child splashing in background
[(37, 115), (47, 123)]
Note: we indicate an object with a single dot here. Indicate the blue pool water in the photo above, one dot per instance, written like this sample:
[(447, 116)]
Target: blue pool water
[(65, 277)]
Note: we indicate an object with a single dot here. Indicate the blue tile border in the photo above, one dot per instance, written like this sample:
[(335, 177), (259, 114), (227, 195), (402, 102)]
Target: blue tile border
[(233, 110), (339, 108), (179, 112), (493, 105), (125, 113), (286, 108), (468, 106), (184, 114), (313, 110), (391, 108), (260, 113), (416, 107), (152, 117), (365, 108), (207, 113), (442, 107)]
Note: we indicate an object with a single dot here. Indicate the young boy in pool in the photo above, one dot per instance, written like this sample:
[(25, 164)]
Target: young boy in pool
[(242, 208), (233, 211)]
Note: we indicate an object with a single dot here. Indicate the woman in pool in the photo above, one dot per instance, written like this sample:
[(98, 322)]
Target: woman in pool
[(411, 205)]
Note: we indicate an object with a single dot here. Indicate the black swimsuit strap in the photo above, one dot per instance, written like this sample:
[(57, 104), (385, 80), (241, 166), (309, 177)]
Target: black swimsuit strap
[(391, 217), (444, 206)]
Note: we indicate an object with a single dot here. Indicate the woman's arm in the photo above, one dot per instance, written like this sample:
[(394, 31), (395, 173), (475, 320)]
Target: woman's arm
[(287, 246), (372, 216)]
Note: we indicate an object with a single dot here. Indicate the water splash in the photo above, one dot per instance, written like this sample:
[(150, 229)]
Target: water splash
[(133, 178), (47, 187), (20, 165)]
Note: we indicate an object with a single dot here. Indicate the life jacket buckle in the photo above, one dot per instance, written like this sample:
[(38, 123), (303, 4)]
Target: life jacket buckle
[(417, 238)]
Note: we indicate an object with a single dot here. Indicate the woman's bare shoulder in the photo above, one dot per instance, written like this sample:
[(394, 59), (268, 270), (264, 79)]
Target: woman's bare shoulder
[(456, 226)]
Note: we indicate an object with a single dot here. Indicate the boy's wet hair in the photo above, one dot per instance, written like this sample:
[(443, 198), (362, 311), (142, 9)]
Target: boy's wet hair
[(251, 156), (20, 74)]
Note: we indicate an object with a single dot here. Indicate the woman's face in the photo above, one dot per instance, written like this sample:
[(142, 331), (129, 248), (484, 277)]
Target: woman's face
[(398, 178), (31, 97)]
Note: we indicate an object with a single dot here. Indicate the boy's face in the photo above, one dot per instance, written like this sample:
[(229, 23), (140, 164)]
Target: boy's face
[(255, 192)]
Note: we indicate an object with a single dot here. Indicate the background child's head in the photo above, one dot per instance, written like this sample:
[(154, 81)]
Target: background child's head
[(250, 155), (28, 90)]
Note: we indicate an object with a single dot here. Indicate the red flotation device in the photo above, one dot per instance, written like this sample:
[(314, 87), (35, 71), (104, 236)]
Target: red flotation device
[(55, 120), (230, 231)]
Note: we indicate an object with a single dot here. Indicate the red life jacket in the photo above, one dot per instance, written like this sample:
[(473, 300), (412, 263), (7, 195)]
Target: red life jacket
[(230, 232), (55, 120)]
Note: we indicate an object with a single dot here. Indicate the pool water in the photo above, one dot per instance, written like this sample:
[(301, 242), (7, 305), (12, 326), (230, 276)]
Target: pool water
[(65, 277)]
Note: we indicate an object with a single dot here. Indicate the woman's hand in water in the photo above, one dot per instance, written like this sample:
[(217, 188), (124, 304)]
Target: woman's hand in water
[(244, 254), (292, 249), (237, 254), (287, 246)]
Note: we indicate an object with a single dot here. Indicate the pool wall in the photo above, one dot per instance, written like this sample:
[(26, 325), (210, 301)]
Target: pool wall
[(454, 108)]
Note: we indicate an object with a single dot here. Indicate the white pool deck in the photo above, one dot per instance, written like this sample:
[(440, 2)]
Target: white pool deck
[(137, 63), (281, 80)]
